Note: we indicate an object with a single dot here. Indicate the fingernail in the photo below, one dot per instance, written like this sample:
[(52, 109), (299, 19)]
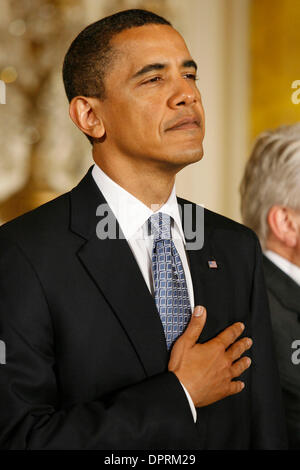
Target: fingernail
[(199, 310)]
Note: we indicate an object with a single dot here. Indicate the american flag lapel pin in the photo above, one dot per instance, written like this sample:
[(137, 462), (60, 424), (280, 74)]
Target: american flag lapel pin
[(212, 264)]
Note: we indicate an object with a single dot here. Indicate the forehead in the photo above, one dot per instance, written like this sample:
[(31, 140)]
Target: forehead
[(149, 43)]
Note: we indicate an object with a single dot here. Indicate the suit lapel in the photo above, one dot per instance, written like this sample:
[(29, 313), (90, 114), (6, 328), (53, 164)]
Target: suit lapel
[(208, 283), (115, 271), (196, 257)]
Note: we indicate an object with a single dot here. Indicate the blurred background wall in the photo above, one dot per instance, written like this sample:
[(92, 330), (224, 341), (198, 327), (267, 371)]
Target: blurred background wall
[(247, 52)]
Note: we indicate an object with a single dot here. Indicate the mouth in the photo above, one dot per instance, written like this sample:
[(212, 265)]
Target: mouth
[(185, 123)]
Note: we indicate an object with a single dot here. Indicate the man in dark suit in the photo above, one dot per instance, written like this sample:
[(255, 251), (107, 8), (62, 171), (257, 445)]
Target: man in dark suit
[(271, 206), (102, 351)]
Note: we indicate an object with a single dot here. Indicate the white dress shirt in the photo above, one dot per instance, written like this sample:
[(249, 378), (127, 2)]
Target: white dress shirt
[(285, 265), (132, 216)]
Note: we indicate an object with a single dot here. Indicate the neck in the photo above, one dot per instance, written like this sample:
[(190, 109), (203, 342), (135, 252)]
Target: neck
[(149, 183)]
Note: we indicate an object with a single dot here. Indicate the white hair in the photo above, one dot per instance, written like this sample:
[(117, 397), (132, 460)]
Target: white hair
[(272, 176)]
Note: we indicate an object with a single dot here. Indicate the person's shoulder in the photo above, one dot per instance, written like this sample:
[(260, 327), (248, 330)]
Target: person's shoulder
[(49, 218), (221, 222), (214, 222)]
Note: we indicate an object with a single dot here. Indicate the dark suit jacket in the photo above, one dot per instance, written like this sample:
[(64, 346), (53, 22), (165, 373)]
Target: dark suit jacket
[(86, 354), (284, 300)]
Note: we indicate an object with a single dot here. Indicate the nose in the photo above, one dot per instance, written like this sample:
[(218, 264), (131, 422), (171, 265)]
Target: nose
[(184, 94)]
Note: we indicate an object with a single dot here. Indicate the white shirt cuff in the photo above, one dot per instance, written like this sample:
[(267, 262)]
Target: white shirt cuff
[(193, 409)]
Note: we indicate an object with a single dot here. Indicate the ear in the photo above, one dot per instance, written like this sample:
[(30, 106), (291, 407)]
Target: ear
[(85, 114), (283, 224)]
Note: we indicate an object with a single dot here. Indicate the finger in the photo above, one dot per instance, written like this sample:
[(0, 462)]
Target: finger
[(236, 386), (230, 334), (237, 349), (195, 326), (240, 366)]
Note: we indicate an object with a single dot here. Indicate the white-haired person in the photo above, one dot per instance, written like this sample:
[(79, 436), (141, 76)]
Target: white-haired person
[(270, 205)]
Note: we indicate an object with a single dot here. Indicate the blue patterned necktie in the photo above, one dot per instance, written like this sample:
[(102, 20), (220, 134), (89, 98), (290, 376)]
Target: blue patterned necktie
[(170, 288)]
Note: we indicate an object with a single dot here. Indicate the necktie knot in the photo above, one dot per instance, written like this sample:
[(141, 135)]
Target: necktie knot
[(159, 226)]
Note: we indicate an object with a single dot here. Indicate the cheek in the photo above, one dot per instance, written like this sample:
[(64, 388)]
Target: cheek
[(150, 118), (145, 120), (137, 116)]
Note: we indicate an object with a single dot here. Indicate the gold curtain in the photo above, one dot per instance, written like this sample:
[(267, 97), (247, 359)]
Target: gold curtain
[(275, 64)]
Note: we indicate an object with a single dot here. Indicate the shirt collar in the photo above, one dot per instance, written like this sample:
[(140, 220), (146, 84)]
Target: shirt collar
[(130, 212), (285, 265)]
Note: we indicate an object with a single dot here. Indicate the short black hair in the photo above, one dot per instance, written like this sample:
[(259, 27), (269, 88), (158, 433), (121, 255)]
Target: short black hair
[(88, 57)]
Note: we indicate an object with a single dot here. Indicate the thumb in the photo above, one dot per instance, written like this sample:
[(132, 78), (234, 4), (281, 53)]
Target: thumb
[(196, 324)]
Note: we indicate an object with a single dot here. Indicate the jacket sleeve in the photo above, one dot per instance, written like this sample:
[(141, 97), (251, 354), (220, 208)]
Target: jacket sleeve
[(151, 414), (268, 419)]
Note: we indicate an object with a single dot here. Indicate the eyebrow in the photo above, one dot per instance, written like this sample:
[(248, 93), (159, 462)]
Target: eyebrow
[(159, 66)]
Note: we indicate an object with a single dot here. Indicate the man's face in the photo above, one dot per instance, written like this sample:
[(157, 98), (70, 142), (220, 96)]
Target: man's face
[(153, 110)]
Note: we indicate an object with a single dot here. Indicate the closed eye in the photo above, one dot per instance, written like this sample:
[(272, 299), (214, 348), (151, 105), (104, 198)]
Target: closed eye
[(191, 76), (152, 80)]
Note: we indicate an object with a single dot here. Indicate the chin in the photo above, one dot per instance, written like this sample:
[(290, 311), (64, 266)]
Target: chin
[(174, 161), (189, 156)]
